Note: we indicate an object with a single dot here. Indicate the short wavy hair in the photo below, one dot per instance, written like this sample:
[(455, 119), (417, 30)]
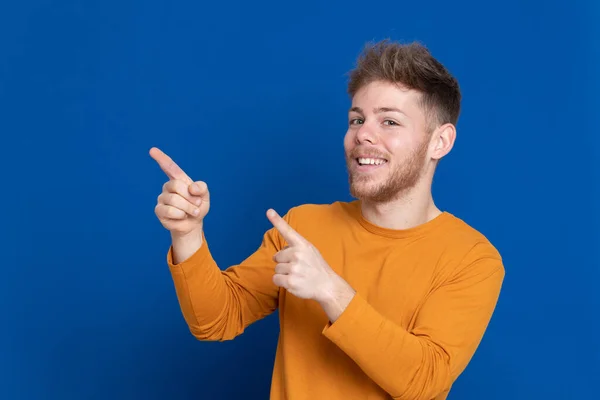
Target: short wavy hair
[(411, 66)]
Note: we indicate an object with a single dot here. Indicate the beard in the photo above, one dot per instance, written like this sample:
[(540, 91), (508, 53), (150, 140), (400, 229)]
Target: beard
[(401, 177)]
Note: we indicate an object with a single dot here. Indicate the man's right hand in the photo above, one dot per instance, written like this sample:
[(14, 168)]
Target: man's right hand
[(183, 203)]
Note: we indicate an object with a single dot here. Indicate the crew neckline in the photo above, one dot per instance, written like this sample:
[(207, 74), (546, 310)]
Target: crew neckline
[(418, 230)]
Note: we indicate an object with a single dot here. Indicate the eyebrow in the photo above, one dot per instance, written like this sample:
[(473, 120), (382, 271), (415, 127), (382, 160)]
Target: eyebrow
[(379, 110)]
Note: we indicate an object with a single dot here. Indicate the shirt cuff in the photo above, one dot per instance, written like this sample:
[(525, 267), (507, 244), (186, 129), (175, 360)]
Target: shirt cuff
[(198, 258), (339, 329)]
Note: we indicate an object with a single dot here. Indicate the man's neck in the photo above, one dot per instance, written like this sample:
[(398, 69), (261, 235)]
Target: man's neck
[(414, 208)]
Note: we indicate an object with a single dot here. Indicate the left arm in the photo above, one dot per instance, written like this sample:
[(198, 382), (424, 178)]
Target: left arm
[(423, 362), (418, 364)]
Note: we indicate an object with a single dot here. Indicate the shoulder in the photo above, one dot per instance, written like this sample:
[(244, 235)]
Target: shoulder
[(316, 221), (311, 213), (466, 235), (472, 248), (313, 221)]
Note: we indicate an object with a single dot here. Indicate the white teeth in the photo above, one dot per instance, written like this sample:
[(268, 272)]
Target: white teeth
[(372, 161)]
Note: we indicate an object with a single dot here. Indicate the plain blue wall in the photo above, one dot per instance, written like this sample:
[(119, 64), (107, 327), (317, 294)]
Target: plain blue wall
[(251, 98)]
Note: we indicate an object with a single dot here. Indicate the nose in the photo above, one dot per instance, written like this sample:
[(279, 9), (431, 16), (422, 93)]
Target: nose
[(365, 134)]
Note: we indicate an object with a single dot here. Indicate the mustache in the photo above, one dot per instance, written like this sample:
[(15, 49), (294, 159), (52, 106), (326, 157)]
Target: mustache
[(368, 153)]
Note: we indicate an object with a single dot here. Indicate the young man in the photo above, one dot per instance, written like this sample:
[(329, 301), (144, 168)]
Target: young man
[(383, 297)]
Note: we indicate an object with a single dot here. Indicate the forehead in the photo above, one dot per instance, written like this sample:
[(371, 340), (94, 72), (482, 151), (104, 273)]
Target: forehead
[(387, 95)]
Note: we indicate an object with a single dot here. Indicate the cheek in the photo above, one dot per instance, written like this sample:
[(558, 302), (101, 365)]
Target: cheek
[(400, 147), (396, 145), (348, 141)]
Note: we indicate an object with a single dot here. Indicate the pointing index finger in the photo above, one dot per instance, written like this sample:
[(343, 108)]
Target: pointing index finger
[(288, 233), (169, 166)]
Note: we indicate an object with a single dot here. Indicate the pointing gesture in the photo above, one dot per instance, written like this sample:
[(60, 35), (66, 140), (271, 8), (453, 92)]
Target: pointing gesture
[(287, 232), (300, 268), (172, 170), (183, 203)]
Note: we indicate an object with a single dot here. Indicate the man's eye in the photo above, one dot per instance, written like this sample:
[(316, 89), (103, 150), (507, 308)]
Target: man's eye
[(389, 122), (356, 121)]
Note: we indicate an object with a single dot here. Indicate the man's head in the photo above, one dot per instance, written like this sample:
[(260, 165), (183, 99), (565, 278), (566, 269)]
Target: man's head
[(405, 106)]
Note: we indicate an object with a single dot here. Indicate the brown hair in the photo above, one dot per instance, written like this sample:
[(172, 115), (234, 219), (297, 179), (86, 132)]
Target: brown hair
[(412, 66)]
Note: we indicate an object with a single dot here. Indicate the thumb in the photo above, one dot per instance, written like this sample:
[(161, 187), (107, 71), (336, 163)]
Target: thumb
[(200, 189)]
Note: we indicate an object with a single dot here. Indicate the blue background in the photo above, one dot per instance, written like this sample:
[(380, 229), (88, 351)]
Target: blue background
[(250, 97)]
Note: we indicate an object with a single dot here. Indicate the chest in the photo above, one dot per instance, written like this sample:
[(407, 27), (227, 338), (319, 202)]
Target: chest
[(395, 277)]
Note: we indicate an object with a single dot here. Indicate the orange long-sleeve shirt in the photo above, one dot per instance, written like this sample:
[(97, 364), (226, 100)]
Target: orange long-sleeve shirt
[(424, 297)]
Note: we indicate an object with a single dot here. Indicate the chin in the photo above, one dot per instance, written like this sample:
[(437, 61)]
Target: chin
[(383, 189), (372, 191)]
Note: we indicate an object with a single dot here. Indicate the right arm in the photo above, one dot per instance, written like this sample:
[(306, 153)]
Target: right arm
[(219, 305), (216, 305)]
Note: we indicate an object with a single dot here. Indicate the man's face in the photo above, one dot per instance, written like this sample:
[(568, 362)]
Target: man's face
[(386, 144)]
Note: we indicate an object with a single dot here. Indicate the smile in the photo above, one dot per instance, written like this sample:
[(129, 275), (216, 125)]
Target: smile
[(370, 161)]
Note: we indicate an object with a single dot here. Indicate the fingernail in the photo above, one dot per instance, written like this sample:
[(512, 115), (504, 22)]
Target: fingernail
[(196, 211), (196, 187), (198, 202)]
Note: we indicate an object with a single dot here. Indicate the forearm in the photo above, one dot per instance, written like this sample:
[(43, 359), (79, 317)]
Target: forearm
[(198, 284), (423, 362), (216, 304), (183, 247), (203, 293), (404, 365)]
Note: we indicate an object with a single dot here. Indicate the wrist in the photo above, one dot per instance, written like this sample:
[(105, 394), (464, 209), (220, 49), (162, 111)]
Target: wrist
[(184, 246), (187, 237), (335, 297)]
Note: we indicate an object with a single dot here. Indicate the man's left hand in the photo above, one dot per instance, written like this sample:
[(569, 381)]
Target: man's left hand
[(303, 272)]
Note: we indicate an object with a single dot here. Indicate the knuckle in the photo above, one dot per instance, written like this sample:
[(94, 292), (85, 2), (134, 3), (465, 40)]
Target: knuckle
[(176, 201), (171, 186), (161, 212), (163, 198), (172, 212), (181, 187)]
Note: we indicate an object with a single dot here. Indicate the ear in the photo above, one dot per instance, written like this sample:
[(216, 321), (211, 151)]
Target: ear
[(442, 141)]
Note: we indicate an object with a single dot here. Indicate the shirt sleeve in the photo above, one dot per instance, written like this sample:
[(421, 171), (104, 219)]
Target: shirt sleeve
[(218, 305), (424, 362)]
